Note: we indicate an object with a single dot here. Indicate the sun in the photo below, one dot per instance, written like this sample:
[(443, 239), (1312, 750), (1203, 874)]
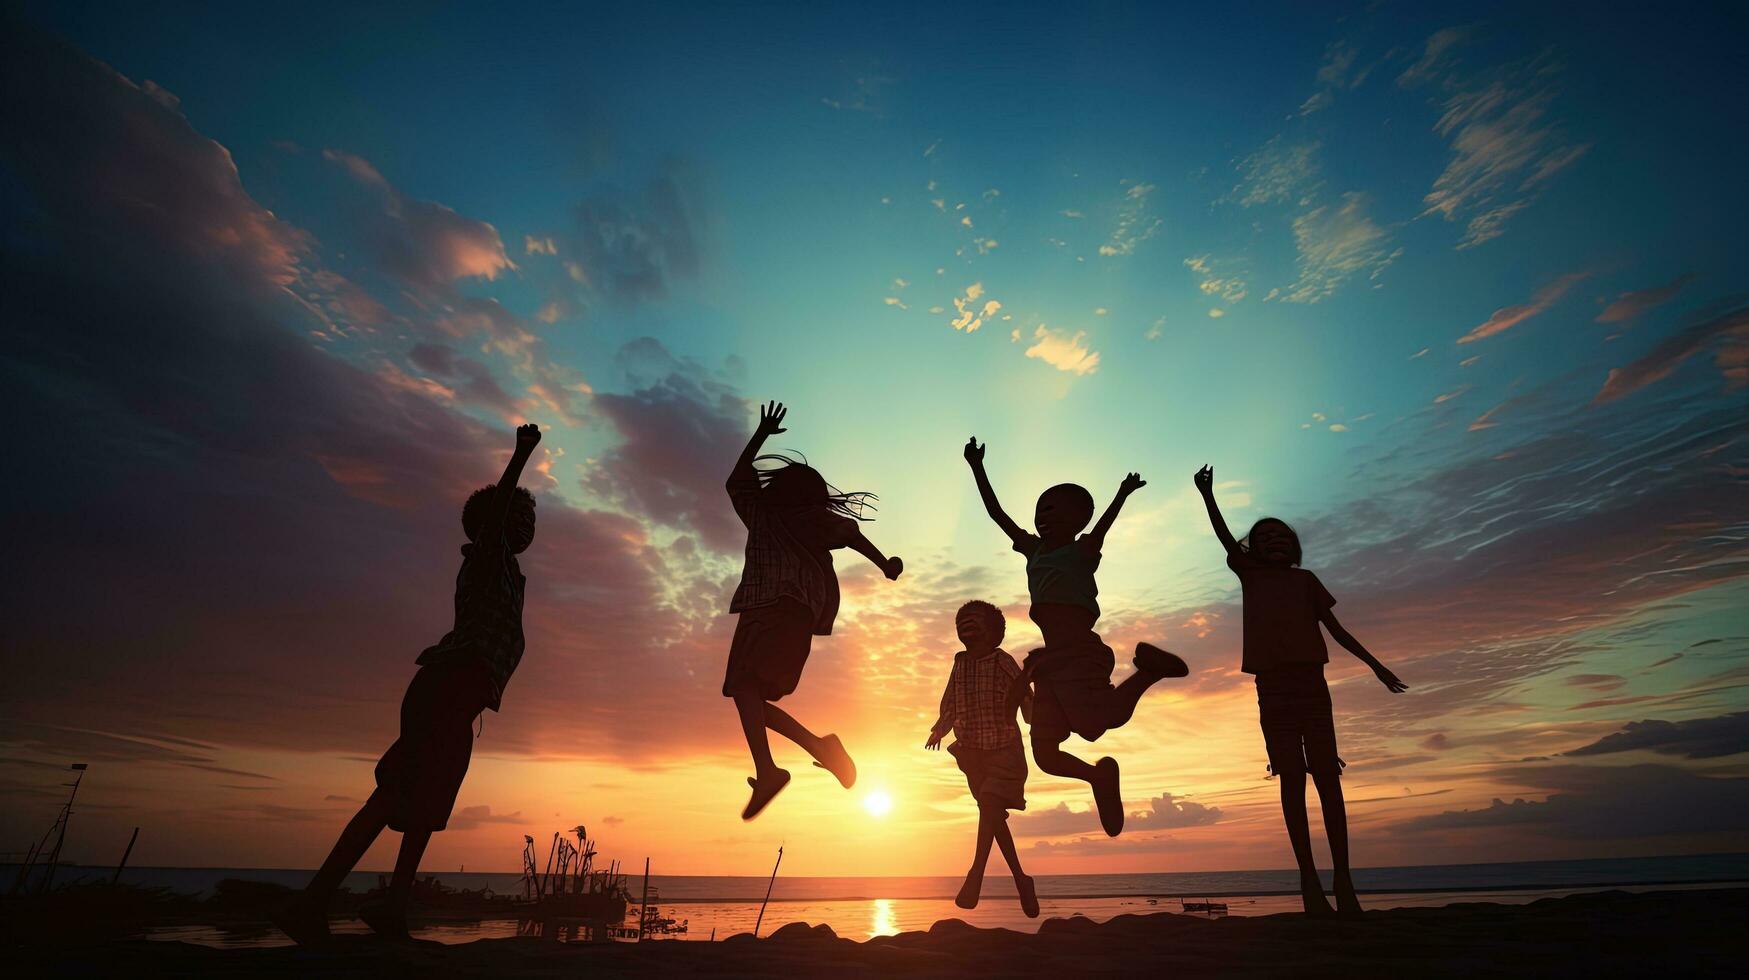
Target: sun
[(878, 803)]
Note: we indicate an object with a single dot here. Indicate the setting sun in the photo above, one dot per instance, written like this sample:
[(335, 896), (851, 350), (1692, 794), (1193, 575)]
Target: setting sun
[(878, 803)]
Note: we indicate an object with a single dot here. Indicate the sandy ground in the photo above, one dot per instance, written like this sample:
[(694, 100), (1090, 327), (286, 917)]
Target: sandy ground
[(1610, 934)]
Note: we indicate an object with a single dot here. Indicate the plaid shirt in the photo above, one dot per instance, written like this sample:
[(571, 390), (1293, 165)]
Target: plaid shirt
[(488, 616), (780, 564), (975, 704)]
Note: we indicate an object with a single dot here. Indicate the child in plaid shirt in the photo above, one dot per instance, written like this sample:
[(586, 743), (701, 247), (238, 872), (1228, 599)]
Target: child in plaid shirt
[(975, 707)]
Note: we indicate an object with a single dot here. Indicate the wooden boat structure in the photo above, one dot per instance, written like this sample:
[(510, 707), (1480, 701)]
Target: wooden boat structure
[(571, 898)]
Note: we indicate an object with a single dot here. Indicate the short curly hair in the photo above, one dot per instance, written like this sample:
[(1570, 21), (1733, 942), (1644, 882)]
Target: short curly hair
[(474, 511), (992, 615)]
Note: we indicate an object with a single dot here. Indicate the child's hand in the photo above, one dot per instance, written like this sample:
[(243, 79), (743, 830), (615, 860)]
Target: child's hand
[(1205, 479), (1389, 679), (771, 418), (527, 437), (893, 567), (1131, 484), (934, 742), (974, 452)]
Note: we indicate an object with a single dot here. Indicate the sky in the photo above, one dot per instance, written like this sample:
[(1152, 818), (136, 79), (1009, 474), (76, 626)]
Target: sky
[(1458, 291)]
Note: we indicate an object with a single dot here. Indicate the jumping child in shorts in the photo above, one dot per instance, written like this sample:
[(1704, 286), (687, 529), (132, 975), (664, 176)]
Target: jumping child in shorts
[(787, 596)]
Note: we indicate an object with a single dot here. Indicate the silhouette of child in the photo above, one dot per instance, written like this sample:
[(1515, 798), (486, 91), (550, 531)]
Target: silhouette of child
[(975, 707), (1072, 672), (787, 596), (459, 677), (1285, 650)]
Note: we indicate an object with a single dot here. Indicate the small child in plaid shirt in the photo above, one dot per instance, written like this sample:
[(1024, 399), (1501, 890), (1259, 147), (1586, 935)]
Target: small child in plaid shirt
[(976, 708)]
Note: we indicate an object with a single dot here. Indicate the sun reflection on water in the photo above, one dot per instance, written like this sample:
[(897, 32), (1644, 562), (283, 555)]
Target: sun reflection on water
[(881, 921)]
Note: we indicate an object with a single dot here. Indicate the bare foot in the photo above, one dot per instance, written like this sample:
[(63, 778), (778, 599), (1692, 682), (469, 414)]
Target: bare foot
[(1028, 895), (765, 789), (1347, 902), (387, 922), (1312, 895), (968, 896), (1108, 796), (836, 761), (303, 921)]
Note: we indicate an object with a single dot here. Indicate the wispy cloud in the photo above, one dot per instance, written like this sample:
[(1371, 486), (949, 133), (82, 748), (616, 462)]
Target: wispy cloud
[(1229, 287), (1063, 350), (1278, 172), (1336, 244), (1508, 317), (1134, 222), (970, 314), (1728, 331), (1631, 305)]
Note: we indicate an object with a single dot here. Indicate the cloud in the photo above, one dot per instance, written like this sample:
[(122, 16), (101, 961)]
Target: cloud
[(1164, 812), (969, 313), (680, 428), (469, 817), (1134, 222), (1728, 332), (470, 382), (1504, 143), (1063, 351), (1231, 288), (1336, 244), (630, 248), (422, 243), (1631, 305), (1508, 317), (1335, 73), (1607, 803), (1277, 173), (1696, 738)]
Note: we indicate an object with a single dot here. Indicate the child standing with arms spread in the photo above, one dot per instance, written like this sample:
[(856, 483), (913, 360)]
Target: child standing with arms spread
[(1072, 673), (787, 596), (1284, 649), (975, 707), (459, 677)]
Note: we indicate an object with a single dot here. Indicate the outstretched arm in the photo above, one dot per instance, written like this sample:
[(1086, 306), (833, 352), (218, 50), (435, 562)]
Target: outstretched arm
[(1352, 645), (1205, 484), (1095, 538), (890, 567), (770, 423), (975, 458), (527, 437)]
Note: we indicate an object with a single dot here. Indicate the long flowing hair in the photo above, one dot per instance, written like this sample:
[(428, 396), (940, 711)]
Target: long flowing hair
[(793, 483)]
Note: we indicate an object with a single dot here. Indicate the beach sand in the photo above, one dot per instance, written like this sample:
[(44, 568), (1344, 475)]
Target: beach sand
[(1678, 933)]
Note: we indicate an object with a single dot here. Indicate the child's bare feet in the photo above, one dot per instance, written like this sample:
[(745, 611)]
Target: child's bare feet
[(303, 922), (1150, 659), (1312, 895), (1028, 895), (765, 789), (836, 761), (1347, 902), (386, 921), (1108, 796), (968, 896)]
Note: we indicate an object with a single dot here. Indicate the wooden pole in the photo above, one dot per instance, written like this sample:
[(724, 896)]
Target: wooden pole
[(124, 857), (644, 904), (768, 885)]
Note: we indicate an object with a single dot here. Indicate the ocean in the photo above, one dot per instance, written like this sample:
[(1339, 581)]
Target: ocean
[(862, 907)]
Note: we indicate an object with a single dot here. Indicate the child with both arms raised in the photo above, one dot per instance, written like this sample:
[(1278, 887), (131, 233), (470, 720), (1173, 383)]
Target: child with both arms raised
[(976, 708), (1071, 674)]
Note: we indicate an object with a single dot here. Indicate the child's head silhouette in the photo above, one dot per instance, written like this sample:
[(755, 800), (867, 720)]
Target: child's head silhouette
[(1271, 540), (518, 524), (792, 483), (1063, 511), (981, 625)]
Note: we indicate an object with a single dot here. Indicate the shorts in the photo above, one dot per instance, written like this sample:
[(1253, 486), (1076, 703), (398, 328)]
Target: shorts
[(1299, 731), (422, 772), (996, 777), (770, 649), (1072, 689)]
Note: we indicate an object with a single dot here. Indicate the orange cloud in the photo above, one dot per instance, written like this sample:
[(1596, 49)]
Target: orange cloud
[(1508, 317)]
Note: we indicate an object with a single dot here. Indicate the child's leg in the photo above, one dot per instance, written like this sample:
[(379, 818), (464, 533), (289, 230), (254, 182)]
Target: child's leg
[(1287, 759), (1152, 664), (1023, 884), (1103, 777), (751, 707), (1327, 775), (989, 818), (360, 833), (827, 750), (1051, 758), (413, 844)]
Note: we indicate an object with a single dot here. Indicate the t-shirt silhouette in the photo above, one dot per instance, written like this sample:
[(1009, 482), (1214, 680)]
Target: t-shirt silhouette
[(1282, 609)]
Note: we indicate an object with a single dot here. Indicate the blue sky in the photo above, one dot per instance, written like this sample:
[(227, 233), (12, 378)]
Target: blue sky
[(1458, 290)]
